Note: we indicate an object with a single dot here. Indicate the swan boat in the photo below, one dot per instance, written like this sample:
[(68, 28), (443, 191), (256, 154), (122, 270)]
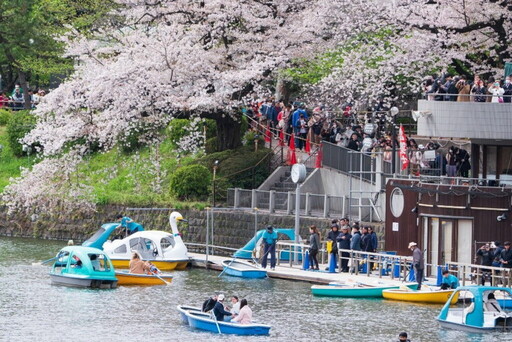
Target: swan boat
[(165, 250)]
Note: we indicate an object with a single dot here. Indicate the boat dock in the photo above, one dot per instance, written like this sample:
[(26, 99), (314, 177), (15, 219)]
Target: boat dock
[(296, 272)]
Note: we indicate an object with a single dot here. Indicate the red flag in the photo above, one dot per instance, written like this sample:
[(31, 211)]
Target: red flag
[(267, 134), (308, 145), (319, 156), (404, 158), (281, 138), (292, 158)]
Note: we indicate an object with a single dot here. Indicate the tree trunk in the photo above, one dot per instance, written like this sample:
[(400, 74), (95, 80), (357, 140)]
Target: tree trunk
[(24, 85), (228, 132), (282, 90)]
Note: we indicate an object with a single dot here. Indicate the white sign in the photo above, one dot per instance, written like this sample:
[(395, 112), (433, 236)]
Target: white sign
[(395, 226)]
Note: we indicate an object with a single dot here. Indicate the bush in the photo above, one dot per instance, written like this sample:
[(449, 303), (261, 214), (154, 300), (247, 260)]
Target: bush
[(18, 126), (211, 145), (191, 182), (250, 136), (5, 116)]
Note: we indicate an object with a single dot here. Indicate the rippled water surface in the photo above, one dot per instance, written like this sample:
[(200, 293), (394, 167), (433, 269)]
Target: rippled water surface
[(33, 310)]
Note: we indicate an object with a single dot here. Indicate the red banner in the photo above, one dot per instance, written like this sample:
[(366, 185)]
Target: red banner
[(404, 158)]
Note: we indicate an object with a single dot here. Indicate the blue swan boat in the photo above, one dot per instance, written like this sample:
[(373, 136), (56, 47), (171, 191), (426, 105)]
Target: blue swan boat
[(479, 309)]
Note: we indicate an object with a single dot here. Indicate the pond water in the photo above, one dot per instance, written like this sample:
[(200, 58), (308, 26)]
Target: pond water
[(33, 310)]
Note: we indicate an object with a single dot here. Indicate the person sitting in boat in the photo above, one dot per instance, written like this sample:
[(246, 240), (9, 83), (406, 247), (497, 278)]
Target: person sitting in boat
[(245, 315), (491, 304), (236, 305), (153, 269), (78, 262), (209, 303), (137, 265), (219, 311), (402, 337), (449, 281), (95, 262)]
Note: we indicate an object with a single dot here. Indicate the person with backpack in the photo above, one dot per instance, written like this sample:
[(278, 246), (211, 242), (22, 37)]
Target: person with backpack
[(209, 303)]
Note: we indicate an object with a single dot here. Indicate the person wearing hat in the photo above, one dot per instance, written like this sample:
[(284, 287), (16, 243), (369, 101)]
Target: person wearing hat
[(219, 311), (344, 243), (269, 243), (417, 262)]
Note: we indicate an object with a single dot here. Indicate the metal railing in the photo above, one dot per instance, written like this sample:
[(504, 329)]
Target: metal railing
[(284, 202)]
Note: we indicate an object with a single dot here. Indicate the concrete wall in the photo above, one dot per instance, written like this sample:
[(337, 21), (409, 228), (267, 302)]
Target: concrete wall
[(231, 228), (473, 120)]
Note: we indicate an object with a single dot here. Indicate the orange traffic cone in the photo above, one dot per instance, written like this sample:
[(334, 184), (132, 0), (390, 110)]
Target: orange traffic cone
[(319, 156), (292, 158), (267, 134)]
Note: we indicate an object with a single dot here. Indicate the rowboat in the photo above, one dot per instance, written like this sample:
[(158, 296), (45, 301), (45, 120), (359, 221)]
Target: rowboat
[(423, 296), (203, 321), (476, 310), (243, 269), (79, 266), (127, 278), (184, 308), (354, 290)]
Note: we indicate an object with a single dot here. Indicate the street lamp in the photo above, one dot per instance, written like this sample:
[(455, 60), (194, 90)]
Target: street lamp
[(394, 112), (215, 165)]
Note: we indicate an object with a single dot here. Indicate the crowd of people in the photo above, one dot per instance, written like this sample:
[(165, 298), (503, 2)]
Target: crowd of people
[(495, 255), (16, 99), (460, 88)]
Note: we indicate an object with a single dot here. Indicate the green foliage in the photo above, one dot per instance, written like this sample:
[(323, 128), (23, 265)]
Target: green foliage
[(250, 136), (191, 182), (211, 145), (10, 165), (29, 28), (18, 126), (177, 129), (5, 116)]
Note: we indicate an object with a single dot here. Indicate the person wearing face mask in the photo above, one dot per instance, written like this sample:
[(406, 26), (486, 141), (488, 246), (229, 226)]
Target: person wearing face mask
[(507, 87), (497, 92)]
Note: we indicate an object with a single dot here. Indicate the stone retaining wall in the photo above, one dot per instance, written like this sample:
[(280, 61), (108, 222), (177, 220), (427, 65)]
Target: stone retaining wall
[(230, 229)]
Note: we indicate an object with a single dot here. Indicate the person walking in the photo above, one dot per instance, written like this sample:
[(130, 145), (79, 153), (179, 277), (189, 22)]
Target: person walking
[(269, 243), (417, 262), (314, 247)]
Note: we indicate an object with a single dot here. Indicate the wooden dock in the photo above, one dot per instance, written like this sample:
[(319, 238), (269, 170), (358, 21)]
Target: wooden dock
[(296, 272)]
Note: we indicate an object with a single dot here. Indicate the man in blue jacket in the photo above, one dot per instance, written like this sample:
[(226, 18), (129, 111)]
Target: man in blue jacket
[(449, 281), (269, 242), (296, 121), (219, 311)]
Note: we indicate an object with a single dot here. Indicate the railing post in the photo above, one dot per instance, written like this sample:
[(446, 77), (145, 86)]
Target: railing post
[(307, 209), (289, 206), (236, 201), (326, 206), (254, 203), (343, 212), (272, 201)]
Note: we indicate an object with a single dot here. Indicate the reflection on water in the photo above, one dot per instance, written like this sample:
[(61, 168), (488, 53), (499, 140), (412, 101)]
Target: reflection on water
[(32, 309)]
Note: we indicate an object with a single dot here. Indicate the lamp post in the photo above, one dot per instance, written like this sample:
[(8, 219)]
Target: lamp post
[(215, 165), (256, 138), (393, 111)]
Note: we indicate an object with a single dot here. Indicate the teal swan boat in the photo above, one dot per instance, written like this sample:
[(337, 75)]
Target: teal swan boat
[(479, 309), (355, 290), (87, 267)]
